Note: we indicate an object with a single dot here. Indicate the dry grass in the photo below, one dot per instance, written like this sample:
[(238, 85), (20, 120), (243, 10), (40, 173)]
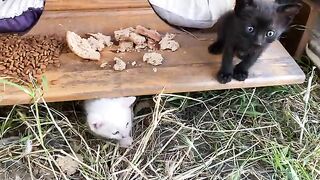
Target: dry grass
[(265, 133)]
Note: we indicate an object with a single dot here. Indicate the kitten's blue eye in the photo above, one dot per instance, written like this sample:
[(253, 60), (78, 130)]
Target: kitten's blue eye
[(116, 133), (250, 29), (270, 33)]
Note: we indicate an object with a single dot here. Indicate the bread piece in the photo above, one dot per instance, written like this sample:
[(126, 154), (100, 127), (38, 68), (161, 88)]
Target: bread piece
[(106, 40), (153, 34), (167, 42), (120, 65), (153, 58), (141, 46), (123, 34), (137, 39), (81, 47), (152, 44), (95, 44), (125, 46)]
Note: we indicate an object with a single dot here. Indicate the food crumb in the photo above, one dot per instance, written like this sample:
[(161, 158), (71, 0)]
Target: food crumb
[(153, 34), (125, 46), (155, 70), (123, 34), (134, 63), (106, 40), (95, 44), (103, 65), (153, 58), (167, 42), (137, 39), (120, 65)]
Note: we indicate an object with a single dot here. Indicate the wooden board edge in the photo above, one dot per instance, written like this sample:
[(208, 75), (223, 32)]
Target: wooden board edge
[(87, 5)]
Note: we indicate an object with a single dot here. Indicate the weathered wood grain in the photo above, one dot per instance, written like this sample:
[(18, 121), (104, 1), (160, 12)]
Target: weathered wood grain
[(58, 5)]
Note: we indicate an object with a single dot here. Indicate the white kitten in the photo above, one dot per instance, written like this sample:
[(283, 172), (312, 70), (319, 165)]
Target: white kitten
[(111, 118)]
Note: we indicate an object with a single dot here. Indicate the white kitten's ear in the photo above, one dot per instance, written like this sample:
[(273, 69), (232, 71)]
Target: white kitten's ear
[(128, 101)]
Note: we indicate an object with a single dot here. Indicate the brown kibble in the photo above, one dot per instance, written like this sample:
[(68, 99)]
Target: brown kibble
[(2, 67), (33, 63), (43, 66), (16, 56), (21, 56)]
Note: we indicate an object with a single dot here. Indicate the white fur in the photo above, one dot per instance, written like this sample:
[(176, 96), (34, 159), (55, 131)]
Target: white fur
[(13, 8), (111, 118)]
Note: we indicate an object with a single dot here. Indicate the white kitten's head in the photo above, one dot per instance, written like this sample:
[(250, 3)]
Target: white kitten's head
[(111, 118)]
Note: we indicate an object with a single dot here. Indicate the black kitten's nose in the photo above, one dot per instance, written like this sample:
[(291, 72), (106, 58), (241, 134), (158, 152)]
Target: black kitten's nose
[(257, 43)]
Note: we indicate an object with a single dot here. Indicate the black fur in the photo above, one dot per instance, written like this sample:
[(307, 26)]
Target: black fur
[(246, 32)]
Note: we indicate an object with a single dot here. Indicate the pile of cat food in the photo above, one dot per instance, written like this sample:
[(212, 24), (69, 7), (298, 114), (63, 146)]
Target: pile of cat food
[(127, 40), (22, 57)]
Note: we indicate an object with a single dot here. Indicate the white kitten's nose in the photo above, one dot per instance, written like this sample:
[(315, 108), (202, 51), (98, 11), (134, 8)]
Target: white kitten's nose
[(97, 125)]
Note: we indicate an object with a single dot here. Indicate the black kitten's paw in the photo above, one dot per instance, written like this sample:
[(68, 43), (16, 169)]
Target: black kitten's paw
[(240, 75), (224, 78), (216, 48)]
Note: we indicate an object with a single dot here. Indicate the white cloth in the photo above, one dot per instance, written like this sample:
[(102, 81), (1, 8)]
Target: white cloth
[(192, 13), (13, 8)]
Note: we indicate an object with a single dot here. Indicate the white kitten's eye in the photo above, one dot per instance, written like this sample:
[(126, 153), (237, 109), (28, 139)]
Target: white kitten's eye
[(270, 33), (115, 133), (127, 124), (250, 29)]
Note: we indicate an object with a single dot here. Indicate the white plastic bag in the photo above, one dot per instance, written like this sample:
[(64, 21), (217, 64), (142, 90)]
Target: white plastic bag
[(19, 16), (192, 13), (13, 8)]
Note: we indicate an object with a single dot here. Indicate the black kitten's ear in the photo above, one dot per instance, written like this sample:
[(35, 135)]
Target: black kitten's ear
[(242, 4), (289, 10)]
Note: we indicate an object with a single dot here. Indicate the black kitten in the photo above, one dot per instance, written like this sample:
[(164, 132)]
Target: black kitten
[(247, 31)]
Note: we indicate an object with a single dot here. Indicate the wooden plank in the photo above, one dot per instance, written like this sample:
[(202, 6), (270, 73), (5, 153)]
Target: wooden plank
[(58, 5), (191, 68), (310, 24)]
